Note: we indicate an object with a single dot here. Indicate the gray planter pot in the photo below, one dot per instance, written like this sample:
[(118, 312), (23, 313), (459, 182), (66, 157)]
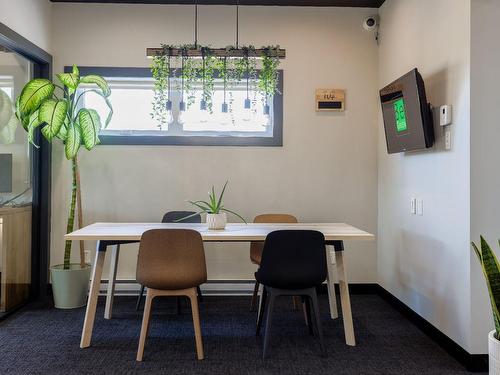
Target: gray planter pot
[(70, 286)]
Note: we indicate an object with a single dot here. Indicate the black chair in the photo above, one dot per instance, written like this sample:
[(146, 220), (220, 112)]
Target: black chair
[(293, 264), (172, 217)]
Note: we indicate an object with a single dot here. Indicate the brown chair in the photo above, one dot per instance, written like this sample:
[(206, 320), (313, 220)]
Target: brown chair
[(171, 262), (256, 247)]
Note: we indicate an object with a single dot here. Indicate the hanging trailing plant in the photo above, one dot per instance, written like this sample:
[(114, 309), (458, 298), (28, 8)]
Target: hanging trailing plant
[(268, 75), (160, 69), (223, 75), (245, 71), (188, 74), (207, 73)]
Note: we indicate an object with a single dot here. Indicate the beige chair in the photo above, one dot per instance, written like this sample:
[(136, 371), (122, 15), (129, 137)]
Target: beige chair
[(171, 262), (256, 247)]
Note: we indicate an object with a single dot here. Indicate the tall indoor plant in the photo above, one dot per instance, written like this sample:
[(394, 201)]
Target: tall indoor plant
[(58, 111), (491, 271)]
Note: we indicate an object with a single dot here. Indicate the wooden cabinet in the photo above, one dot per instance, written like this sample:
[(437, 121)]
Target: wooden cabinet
[(15, 256)]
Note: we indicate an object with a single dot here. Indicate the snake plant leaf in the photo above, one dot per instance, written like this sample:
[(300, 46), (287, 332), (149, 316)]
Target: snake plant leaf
[(491, 271), (73, 140), (69, 80), (99, 81), (90, 125), (53, 112), (202, 205), (34, 93)]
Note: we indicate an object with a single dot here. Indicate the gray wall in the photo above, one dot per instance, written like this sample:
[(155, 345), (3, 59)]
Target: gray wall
[(425, 260), (326, 171)]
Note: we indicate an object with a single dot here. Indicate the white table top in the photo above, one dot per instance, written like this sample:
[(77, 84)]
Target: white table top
[(232, 233)]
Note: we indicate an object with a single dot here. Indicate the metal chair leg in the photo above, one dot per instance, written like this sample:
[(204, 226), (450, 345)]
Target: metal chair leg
[(269, 319), (307, 308), (255, 294), (139, 299), (261, 313), (315, 307)]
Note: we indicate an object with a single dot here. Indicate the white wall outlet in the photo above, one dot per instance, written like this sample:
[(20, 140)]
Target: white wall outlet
[(413, 206), (447, 139), (420, 207)]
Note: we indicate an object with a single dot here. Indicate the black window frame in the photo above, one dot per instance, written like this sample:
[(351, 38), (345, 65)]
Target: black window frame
[(170, 140)]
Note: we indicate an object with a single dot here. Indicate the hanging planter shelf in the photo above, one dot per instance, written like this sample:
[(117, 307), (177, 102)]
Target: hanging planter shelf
[(217, 52)]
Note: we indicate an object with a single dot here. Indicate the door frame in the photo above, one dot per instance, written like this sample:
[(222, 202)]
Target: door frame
[(41, 164)]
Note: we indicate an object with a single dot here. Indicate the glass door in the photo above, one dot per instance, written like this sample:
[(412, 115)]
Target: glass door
[(16, 195)]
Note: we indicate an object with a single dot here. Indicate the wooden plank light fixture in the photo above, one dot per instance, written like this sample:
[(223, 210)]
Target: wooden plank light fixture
[(196, 51)]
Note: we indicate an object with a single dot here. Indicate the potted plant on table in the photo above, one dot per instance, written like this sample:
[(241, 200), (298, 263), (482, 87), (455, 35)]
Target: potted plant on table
[(57, 110), (215, 210), (491, 271)]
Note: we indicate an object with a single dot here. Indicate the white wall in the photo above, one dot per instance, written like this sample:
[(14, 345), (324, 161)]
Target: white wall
[(485, 153), (425, 260), (30, 18), (326, 171)]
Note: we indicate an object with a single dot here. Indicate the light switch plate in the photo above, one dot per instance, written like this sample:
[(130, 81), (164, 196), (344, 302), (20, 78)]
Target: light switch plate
[(420, 207), (413, 206)]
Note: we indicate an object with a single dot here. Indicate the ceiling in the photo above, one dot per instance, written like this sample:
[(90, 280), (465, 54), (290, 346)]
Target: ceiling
[(319, 3)]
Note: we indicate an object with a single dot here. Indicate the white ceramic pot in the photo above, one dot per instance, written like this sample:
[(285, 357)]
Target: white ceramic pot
[(217, 221), (494, 353)]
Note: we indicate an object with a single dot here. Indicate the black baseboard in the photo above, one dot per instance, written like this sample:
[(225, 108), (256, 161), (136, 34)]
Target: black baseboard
[(472, 362)]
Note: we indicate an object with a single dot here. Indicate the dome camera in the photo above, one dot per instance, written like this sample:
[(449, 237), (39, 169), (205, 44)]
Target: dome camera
[(371, 23)]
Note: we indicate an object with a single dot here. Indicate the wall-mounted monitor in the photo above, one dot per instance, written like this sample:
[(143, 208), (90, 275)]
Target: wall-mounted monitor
[(407, 116), (5, 173)]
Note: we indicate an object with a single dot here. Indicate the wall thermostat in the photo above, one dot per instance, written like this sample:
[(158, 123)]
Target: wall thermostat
[(445, 115)]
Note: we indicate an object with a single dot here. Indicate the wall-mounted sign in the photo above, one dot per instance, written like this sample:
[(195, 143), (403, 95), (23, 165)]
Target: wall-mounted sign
[(330, 100)]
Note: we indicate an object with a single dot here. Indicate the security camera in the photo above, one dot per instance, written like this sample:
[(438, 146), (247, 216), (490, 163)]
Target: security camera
[(371, 23)]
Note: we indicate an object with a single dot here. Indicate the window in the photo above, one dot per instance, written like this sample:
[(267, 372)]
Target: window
[(132, 123)]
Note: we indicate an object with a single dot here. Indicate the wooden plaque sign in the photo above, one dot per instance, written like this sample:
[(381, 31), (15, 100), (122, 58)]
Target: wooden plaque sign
[(330, 100)]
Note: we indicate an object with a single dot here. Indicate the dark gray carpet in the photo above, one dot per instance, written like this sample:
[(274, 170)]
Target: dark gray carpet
[(43, 340)]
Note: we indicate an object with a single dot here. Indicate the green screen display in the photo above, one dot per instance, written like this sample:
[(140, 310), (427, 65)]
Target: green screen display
[(400, 114)]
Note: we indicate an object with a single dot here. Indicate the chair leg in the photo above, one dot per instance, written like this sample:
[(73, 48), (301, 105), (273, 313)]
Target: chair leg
[(261, 311), (296, 303), (139, 299), (315, 306), (196, 323), (307, 311), (269, 319), (255, 294), (145, 324), (200, 296)]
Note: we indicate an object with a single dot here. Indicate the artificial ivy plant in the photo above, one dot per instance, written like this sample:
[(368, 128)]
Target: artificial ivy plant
[(192, 72), (58, 111)]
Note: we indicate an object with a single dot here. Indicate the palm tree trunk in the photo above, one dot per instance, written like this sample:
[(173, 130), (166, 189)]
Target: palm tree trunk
[(71, 215)]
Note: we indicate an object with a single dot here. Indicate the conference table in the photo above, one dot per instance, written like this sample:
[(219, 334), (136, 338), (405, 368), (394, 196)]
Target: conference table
[(116, 234)]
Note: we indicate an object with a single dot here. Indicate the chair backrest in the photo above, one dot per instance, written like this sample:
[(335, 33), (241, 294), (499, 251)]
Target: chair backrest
[(293, 259), (171, 259), (256, 247), (173, 216)]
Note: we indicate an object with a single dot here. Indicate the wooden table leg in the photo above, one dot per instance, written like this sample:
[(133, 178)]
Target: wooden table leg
[(108, 311), (332, 298), (345, 299), (88, 323)]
